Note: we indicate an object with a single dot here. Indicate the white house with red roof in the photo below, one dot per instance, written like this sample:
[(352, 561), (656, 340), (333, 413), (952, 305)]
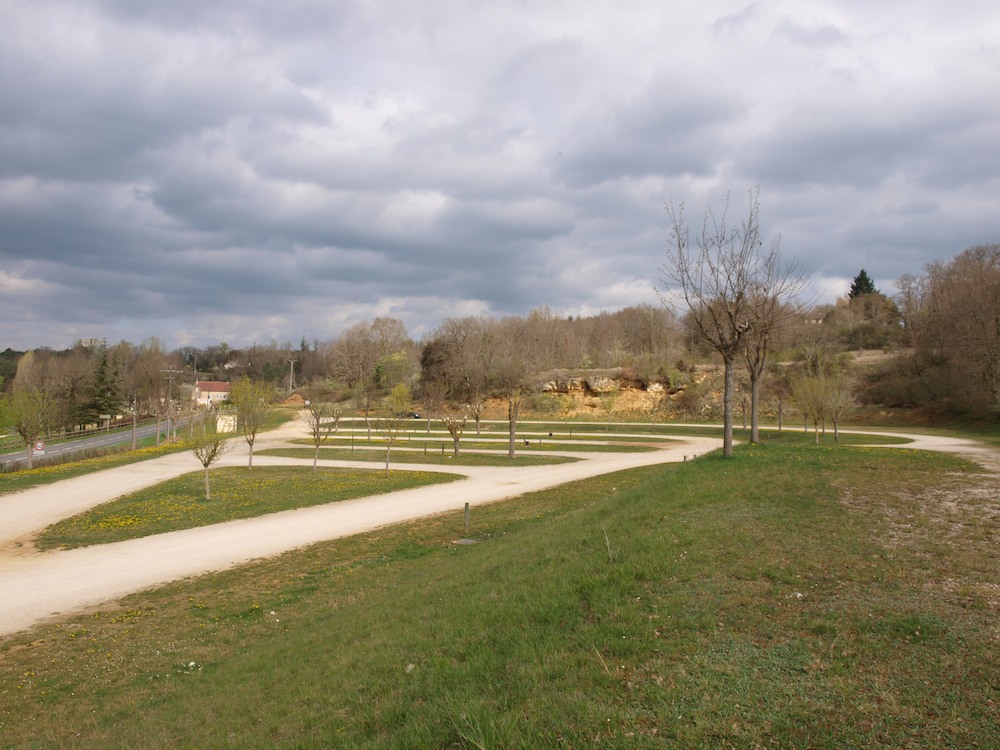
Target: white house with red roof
[(211, 392)]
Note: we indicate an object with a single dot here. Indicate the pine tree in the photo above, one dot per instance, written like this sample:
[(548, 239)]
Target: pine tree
[(105, 395), (862, 284)]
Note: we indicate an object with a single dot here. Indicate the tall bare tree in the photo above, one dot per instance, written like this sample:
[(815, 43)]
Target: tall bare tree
[(772, 308), (359, 351), (719, 279), (323, 420), (391, 425)]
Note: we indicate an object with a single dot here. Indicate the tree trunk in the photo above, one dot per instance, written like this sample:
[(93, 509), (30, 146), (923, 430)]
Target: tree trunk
[(316, 455), (513, 406), (250, 461), (208, 490), (727, 409), (754, 408), (388, 450)]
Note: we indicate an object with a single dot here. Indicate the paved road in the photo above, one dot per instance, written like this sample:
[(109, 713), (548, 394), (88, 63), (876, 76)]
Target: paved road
[(34, 586), (83, 444)]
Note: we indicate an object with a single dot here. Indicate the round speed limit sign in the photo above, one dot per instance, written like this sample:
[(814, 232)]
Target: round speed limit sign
[(39, 446)]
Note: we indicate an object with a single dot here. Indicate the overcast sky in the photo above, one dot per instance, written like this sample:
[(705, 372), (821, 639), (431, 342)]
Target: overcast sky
[(249, 170)]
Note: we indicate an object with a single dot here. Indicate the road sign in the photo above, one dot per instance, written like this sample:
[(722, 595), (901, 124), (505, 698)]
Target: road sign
[(39, 446)]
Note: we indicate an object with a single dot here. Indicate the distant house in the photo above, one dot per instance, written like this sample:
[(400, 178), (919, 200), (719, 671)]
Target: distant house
[(211, 392)]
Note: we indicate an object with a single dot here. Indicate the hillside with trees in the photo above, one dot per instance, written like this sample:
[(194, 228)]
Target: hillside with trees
[(937, 340)]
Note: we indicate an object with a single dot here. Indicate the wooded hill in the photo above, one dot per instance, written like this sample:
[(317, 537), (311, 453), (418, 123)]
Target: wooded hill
[(940, 336)]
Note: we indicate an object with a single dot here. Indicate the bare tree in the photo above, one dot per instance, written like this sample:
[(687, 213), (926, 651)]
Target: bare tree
[(718, 280), (513, 411), (809, 393), (208, 445), (455, 427), (357, 354), (772, 308), (151, 365), (323, 420), (960, 329), (840, 401), (821, 396), (476, 407), (432, 396), (252, 401), (394, 419), (508, 376)]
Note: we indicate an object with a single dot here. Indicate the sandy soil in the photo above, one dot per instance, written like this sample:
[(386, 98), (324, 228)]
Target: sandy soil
[(37, 585)]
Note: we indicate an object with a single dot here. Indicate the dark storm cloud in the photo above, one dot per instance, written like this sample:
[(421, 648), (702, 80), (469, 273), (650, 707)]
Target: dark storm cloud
[(285, 170), (667, 130)]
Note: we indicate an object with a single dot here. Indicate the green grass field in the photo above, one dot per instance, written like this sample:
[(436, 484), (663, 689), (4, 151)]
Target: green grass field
[(793, 597), (432, 457), (237, 492)]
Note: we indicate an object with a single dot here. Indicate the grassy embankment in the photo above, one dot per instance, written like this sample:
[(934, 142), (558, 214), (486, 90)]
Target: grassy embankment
[(794, 596)]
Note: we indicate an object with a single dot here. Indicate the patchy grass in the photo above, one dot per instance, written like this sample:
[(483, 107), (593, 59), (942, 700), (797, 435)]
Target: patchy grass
[(791, 597), (524, 445), (433, 456), (237, 492), (769, 432)]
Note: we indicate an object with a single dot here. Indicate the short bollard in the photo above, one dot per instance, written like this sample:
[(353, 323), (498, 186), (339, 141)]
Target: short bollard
[(466, 519)]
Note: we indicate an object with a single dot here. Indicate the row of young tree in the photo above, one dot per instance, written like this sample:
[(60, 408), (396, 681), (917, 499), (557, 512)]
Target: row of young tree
[(727, 295)]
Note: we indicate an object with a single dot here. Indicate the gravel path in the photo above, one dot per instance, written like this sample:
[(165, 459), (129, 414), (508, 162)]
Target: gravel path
[(37, 585)]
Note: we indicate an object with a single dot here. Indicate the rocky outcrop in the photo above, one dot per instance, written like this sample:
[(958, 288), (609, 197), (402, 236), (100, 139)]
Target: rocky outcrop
[(598, 384)]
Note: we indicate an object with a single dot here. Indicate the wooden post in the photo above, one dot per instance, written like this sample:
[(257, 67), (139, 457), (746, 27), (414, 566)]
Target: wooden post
[(466, 519)]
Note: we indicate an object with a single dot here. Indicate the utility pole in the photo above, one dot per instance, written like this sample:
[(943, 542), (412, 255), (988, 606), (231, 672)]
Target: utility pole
[(291, 374), (170, 373)]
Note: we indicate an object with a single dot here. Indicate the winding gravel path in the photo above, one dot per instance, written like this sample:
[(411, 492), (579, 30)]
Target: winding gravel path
[(37, 585)]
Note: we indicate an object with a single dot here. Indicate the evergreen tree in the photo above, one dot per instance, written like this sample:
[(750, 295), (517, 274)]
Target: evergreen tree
[(862, 284), (105, 394)]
